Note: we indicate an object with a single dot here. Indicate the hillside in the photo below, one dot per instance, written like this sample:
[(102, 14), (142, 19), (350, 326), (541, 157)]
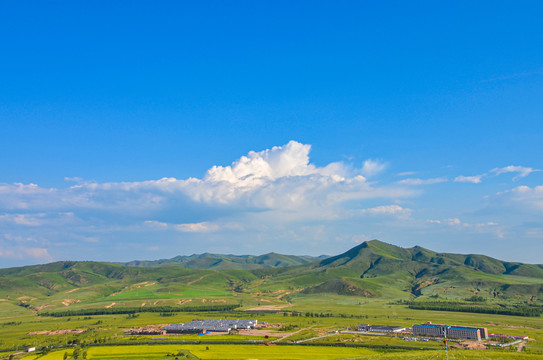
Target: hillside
[(370, 270)]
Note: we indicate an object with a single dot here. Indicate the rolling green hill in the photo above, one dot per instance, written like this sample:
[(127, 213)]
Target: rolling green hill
[(372, 269), (422, 272)]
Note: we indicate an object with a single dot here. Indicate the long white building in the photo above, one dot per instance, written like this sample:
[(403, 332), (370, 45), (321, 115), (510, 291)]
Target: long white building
[(450, 331)]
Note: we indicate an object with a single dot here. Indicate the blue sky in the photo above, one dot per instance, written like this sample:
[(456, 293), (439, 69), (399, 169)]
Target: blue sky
[(136, 130)]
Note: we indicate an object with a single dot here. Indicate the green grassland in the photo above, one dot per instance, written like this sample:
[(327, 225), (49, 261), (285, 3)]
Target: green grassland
[(370, 283)]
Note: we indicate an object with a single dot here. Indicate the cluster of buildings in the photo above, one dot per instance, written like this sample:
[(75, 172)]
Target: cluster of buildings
[(210, 325), (428, 329), (450, 331)]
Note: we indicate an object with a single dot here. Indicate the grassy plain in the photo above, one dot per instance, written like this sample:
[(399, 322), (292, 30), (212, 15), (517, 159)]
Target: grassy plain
[(17, 324)]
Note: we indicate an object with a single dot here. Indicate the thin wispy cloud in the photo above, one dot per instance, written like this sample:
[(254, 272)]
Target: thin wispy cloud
[(476, 179), (526, 197), (388, 210), (520, 170), (490, 227), (417, 181), (197, 227)]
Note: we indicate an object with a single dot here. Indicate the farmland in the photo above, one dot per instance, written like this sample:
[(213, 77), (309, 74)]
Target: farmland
[(345, 312)]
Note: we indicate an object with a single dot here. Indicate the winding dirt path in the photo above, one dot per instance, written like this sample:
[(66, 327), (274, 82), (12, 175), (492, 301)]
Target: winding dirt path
[(200, 278)]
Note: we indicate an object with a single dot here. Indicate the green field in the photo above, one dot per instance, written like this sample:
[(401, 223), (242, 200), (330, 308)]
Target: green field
[(268, 352)]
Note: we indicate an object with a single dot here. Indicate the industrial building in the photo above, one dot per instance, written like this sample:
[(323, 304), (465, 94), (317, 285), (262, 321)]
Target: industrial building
[(450, 331), (380, 328), (214, 325)]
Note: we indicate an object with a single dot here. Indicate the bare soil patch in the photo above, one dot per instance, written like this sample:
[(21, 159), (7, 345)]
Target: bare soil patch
[(58, 332), (472, 345), (288, 293), (68, 302), (269, 307)]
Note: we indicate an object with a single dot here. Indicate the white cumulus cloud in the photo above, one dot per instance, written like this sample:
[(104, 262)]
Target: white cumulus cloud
[(273, 191)]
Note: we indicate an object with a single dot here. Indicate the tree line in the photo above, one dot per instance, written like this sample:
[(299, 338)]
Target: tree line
[(134, 310), (518, 310)]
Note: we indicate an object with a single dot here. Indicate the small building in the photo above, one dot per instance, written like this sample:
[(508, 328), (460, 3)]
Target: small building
[(380, 328)]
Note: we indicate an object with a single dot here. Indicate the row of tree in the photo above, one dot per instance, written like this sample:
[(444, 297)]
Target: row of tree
[(134, 310), (518, 310)]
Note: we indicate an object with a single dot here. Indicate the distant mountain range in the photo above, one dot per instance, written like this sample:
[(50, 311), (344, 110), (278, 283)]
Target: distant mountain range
[(373, 269), (221, 262)]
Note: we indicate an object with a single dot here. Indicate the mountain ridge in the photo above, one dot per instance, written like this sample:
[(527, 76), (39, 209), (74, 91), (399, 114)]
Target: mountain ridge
[(373, 269), (220, 261)]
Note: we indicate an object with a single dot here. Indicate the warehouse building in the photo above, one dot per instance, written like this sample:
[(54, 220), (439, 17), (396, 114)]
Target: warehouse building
[(214, 325)]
